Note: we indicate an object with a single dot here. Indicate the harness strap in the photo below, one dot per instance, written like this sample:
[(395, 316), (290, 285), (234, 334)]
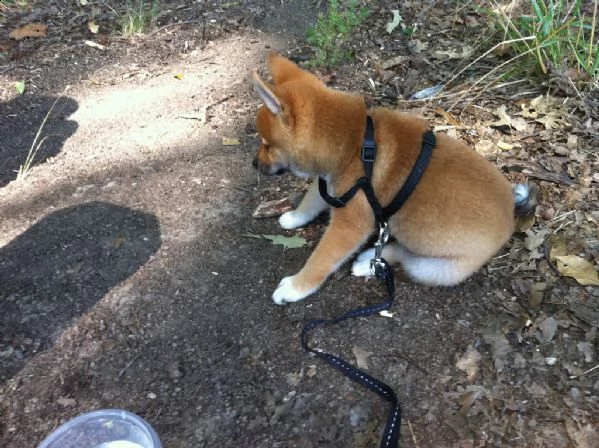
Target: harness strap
[(428, 144), (368, 155)]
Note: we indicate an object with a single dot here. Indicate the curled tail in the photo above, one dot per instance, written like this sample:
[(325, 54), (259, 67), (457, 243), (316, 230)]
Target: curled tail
[(525, 198)]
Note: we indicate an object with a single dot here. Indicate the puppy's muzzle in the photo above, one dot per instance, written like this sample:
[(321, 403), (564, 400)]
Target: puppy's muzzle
[(269, 170)]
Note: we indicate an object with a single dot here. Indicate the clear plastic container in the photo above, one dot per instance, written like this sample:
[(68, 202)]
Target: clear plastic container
[(108, 428)]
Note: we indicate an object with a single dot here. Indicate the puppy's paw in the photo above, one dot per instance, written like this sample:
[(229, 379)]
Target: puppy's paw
[(293, 219), (361, 266), (287, 292)]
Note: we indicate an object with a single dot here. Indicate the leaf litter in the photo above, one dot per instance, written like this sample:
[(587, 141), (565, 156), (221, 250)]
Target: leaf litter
[(553, 142), (288, 242)]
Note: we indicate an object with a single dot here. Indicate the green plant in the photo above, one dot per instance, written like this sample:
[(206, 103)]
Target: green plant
[(35, 145), (138, 17), (554, 36), (331, 32)]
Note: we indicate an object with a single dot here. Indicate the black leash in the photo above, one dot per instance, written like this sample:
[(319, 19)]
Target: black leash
[(391, 433), (378, 266)]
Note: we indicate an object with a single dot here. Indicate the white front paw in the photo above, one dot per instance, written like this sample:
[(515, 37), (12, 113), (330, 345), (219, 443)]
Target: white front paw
[(293, 220), (286, 292), (361, 267)]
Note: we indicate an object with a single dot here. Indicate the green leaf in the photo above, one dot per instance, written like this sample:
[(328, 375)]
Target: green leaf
[(288, 242), (20, 86)]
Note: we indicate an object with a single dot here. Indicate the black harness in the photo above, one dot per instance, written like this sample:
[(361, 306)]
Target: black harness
[(379, 267), (368, 155)]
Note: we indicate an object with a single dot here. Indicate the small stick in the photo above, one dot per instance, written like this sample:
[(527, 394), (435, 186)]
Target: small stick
[(591, 369), (93, 44), (187, 22), (413, 435), (129, 364)]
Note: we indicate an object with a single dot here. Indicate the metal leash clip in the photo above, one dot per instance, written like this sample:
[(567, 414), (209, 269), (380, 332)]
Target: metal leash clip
[(377, 264)]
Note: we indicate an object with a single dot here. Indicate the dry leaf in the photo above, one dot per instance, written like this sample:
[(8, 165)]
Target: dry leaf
[(179, 76), (505, 120), (93, 27), (469, 363), (587, 349), (396, 21), (548, 328), (546, 110), (29, 30), (231, 141), (389, 63), (448, 116), (537, 291), (585, 437), (66, 402), (465, 53), (499, 345), (361, 357), (485, 147), (534, 240), (558, 248), (288, 242), (578, 268), (293, 379), (469, 398), (504, 145), (270, 209)]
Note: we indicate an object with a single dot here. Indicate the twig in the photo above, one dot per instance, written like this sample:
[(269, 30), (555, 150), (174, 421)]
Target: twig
[(546, 252), (235, 187), (129, 364), (591, 369), (187, 22), (413, 435), (93, 44)]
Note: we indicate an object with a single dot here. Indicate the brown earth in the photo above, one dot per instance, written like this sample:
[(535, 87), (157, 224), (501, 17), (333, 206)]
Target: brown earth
[(127, 281)]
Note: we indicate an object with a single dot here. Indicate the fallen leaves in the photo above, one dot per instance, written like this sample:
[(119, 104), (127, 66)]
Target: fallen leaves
[(397, 19), (93, 27), (569, 265), (549, 111), (20, 86), (499, 345), (271, 209), (288, 242), (361, 356), (547, 329), (469, 363), (578, 268), (519, 124)]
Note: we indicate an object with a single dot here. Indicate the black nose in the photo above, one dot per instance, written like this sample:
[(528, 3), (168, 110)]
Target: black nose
[(255, 162)]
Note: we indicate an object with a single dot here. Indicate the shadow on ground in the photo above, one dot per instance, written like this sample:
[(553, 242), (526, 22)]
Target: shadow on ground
[(20, 122), (60, 267)]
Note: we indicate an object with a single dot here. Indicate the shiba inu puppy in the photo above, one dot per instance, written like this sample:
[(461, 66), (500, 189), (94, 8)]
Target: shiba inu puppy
[(460, 214)]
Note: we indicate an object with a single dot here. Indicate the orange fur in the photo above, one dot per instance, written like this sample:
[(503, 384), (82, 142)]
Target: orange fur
[(460, 214)]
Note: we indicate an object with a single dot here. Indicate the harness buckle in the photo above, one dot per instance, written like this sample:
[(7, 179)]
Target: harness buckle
[(368, 153), (377, 262)]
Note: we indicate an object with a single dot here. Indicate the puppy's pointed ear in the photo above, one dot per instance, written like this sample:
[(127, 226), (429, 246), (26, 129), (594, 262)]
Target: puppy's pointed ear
[(269, 99), (282, 69)]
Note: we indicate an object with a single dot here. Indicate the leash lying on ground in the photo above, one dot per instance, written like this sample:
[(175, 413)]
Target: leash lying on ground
[(378, 266), (383, 272)]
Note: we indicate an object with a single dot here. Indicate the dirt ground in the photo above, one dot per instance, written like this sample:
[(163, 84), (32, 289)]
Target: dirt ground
[(127, 279)]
